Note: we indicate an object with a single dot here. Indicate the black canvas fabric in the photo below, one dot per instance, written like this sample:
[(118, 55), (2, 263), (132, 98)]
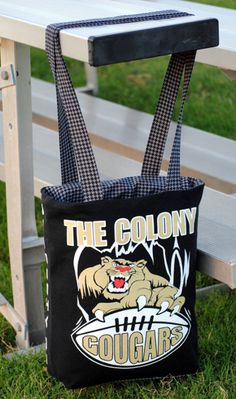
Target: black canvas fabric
[(121, 253)]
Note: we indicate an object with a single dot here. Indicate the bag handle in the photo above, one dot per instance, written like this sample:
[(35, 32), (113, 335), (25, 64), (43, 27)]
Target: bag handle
[(76, 154), (174, 181), (179, 64)]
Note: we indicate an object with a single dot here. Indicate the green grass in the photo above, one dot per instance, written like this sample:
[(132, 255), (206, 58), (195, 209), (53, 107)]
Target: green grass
[(218, 3), (211, 106)]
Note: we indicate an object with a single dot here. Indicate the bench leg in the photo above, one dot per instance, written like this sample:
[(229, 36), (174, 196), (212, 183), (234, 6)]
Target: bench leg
[(91, 78), (24, 245)]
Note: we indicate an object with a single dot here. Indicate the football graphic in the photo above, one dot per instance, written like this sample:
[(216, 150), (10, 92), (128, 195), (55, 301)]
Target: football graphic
[(131, 338)]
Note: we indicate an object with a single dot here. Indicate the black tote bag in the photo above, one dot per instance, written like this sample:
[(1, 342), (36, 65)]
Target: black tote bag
[(121, 253)]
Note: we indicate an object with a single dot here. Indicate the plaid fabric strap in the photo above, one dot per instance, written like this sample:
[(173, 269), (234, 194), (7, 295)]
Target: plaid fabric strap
[(77, 158), (179, 64), (174, 181)]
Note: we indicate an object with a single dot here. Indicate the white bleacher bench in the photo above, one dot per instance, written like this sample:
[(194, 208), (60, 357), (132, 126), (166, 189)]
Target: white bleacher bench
[(119, 136), (104, 120), (125, 131)]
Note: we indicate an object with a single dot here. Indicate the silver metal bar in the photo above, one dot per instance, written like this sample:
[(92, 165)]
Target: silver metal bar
[(202, 293), (18, 154), (91, 78), (22, 352), (19, 325)]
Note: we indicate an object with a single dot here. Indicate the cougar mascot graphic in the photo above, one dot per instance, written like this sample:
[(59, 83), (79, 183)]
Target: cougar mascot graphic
[(127, 284)]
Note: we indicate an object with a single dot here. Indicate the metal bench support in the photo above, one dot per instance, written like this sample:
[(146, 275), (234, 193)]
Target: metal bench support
[(91, 78), (24, 245)]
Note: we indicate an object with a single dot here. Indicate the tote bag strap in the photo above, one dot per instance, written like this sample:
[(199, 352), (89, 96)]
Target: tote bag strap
[(76, 154), (179, 64), (174, 181)]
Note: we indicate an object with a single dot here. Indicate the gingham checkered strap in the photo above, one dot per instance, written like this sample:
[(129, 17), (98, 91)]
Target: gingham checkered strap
[(174, 181), (178, 64), (77, 158)]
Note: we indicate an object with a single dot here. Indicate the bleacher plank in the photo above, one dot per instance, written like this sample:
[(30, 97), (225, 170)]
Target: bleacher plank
[(217, 236), (47, 164), (125, 131)]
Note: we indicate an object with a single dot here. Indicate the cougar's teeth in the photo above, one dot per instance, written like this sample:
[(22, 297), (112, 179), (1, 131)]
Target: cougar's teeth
[(126, 278), (113, 289)]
